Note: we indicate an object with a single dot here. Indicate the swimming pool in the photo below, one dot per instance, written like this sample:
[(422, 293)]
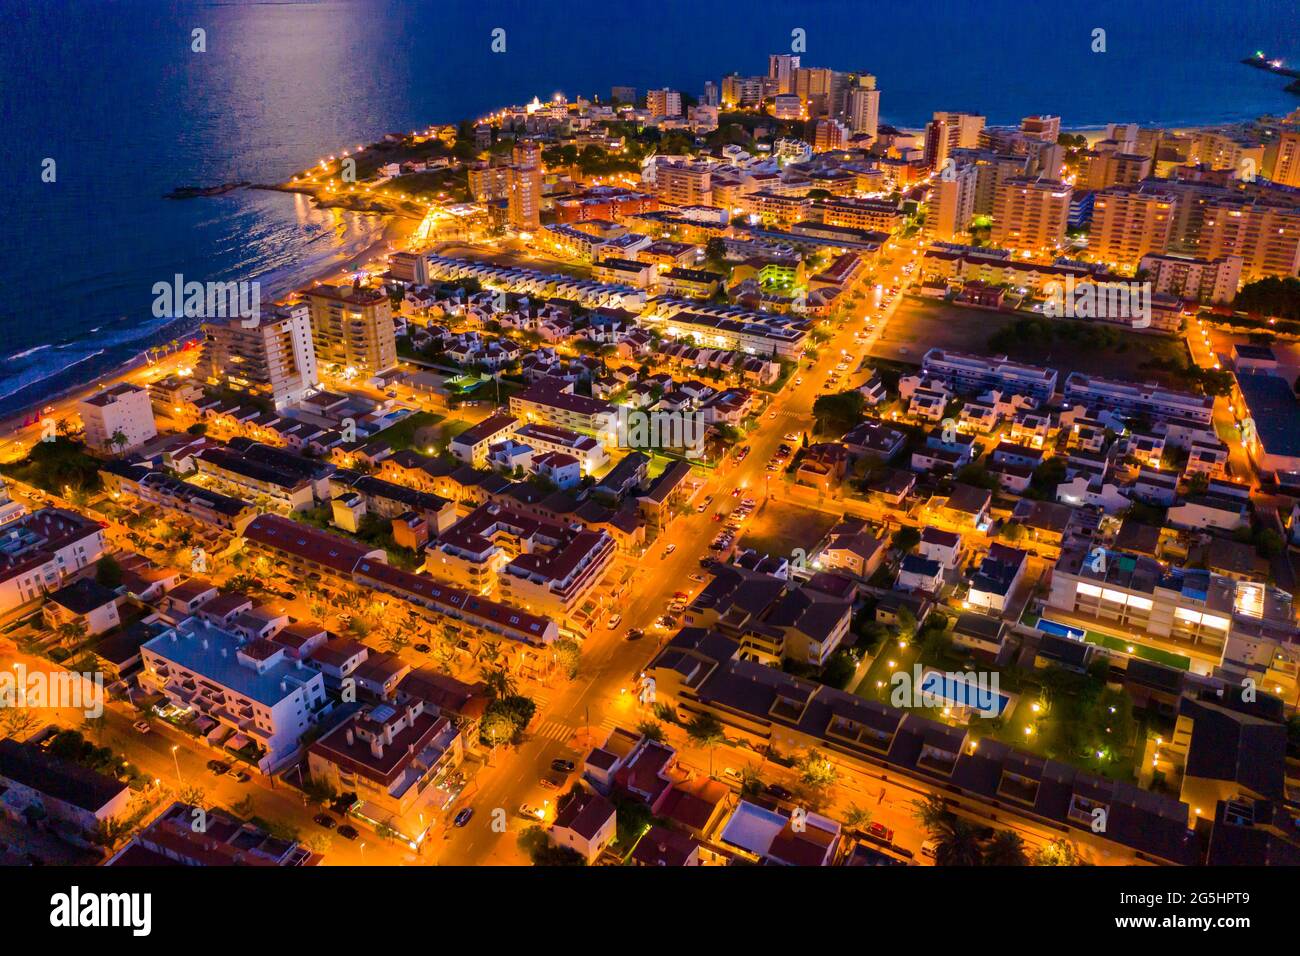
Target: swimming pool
[(967, 692), (1057, 629)]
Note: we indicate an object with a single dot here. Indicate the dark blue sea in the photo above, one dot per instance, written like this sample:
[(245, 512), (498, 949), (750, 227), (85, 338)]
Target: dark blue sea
[(112, 92)]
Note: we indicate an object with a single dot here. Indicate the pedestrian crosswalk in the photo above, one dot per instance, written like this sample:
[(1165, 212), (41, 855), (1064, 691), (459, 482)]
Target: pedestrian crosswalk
[(553, 730)]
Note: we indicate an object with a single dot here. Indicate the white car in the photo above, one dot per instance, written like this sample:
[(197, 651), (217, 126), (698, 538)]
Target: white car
[(614, 621), (142, 726)]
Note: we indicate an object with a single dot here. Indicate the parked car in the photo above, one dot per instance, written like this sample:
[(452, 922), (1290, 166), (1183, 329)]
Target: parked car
[(348, 832), (778, 791), (463, 816), (325, 820), (669, 550), (614, 621), (929, 848), (142, 726), (421, 648), (219, 767), (560, 765), (243, 776), (635, 634), (879, 833)]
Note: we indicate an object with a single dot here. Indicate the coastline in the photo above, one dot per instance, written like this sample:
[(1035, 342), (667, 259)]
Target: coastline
[(397, 227), (394, 231)]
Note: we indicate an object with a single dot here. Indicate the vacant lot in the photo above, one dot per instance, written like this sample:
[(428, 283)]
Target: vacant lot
[(784, 526), (919, 325)]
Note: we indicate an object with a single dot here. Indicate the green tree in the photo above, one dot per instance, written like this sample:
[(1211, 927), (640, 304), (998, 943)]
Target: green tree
[(856, 817), (108, 572), (568, 655), (1059, 852), (906, 538), (816, 770)]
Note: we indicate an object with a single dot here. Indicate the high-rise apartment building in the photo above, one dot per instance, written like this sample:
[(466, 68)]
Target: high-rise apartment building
[(1267, 237), (663, 102), (948, 131), (1129, 222), (741, 91), (524, 199), (781, 68), (952, 204), (1282, 159), (1188, 277), (275, 357), (488, 183), (352, 327), (684, 184), (829, 134), (862, 108), (1045, 129), (526, 152), (992, 169), (813, 86), (118, 419), (1098, 170), (1221, 149), (1030, 213)]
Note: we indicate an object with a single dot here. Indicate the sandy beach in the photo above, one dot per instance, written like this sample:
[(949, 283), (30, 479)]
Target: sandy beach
[(396, 230)]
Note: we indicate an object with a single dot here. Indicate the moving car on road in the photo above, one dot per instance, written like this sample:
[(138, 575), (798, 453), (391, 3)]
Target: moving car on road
[(462, 818)]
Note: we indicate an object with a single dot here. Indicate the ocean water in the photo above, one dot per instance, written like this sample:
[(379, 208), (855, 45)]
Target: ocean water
[(112, 92)]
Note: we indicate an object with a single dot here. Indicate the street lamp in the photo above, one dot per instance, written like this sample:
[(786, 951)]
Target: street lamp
[(176, 761)]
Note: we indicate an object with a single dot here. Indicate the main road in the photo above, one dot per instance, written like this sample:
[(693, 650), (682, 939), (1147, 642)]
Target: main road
[(575, 715)]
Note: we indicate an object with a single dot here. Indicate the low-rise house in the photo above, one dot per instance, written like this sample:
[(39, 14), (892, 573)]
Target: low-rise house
[(994, 582), (84, 602), (585, 823), (942, 546), (36, 785), (661, 846), (393, 759), (918, 573), (851, 547)]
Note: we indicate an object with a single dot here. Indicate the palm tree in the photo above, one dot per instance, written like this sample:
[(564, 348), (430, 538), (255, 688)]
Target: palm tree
[(488, 651), (16, 722), (118, 440), (71, 632), (1006, 848), (959, 844), (500, 682), (705, 730)]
